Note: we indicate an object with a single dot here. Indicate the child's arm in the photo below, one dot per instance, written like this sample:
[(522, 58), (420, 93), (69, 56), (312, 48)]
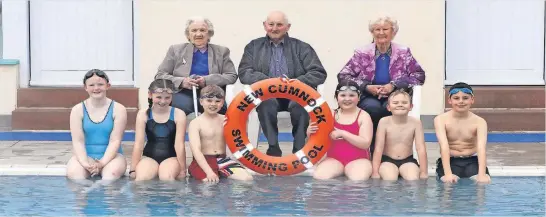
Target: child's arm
[(379, 145), (195, 145), (78, 136), (482, 141), (140, 133), (440, 128), (179, 141), (421, 148), (364, 137)]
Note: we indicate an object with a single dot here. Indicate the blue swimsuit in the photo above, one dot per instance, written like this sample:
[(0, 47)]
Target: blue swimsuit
[(97, 135)]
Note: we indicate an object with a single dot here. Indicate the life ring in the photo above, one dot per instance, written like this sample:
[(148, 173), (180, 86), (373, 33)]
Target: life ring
[(235, 132)]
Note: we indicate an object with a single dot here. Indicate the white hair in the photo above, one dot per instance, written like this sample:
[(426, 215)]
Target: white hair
[(286, 20), (382, 20), (191, 20)]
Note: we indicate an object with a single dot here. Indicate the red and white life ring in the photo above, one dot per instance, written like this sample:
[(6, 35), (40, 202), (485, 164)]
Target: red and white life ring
[(235, 132)]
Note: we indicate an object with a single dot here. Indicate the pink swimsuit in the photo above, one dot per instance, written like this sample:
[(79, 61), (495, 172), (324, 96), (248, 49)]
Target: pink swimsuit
[(344, 151)]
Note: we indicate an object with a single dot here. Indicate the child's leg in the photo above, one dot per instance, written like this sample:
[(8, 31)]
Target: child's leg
[(74, 170), (240, 174), (115, 168), (146, 169), (409, 171), (474, 177), (471, 170), (328, 169), (360, 169), (169, 169), (232, 169), (388, 171)]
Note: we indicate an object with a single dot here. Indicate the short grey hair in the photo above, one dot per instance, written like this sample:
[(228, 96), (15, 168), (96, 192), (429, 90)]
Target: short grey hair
[(385, 19), (191, 20), (286, 20)]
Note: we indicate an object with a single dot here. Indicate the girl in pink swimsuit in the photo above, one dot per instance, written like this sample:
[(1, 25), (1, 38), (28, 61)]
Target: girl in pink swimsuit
[(349, 153)]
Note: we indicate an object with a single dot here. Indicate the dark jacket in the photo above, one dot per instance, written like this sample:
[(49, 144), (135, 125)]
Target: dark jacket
[(301, 60)]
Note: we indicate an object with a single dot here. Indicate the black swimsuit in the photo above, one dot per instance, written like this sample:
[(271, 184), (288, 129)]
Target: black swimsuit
[(399, 163), (463, 167), (161, 138)]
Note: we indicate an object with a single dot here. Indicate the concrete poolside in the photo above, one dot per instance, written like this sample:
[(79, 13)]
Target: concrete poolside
[(50, 157)]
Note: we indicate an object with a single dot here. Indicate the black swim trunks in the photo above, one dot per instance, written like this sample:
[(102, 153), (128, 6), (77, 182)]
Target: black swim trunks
[(399, 163), (463, 167)]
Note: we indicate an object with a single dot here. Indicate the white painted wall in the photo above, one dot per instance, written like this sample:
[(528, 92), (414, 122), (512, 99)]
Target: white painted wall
[(333, 28), (1, 35), (15, 36), (8, 88)]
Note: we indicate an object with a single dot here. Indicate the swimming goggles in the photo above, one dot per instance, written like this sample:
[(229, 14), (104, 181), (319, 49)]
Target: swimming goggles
[(353, 88), (161, 90), (464, 90), (97, 72), (212, 95)]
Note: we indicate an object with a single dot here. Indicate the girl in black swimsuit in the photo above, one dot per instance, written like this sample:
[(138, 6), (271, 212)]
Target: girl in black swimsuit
[(164, 127)]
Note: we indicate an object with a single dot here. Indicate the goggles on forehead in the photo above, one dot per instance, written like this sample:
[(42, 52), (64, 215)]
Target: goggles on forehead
[(162, 90), (95, 72), (352, 88), (464, 90), (212, 95)]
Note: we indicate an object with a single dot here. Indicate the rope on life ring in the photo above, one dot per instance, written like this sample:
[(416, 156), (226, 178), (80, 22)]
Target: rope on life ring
[(235, 129)]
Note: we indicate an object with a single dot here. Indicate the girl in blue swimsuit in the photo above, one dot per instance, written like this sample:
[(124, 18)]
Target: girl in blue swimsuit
[(97, 125), (164, 127)]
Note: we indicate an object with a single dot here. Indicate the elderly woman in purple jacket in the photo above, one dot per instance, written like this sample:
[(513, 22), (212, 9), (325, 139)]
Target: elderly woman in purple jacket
[(380, 68)]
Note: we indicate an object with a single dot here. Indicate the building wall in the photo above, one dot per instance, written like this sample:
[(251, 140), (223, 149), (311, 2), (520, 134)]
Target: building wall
[(333, 28), (9, 75), (1, 35)]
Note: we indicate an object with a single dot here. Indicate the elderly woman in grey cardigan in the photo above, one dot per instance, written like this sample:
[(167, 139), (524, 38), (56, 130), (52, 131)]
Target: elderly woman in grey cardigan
[(196, 63), (274, 56)]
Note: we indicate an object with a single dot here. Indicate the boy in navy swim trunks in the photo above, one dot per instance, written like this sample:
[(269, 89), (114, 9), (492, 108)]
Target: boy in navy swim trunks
[(393, 154), (207, 143), (462, 136)]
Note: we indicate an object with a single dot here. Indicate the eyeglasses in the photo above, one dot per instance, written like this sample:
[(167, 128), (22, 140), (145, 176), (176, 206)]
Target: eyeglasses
[(161, 90), (464, 90), (212, 95)]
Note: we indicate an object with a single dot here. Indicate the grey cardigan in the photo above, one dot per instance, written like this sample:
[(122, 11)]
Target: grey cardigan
[(301, 59), (177, 65)]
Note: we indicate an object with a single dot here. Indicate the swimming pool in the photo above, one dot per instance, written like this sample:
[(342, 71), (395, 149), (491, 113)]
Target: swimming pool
[(57, 196)]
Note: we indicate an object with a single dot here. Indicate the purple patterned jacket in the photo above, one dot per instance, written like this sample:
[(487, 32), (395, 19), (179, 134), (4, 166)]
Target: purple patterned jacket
[(404, 70)]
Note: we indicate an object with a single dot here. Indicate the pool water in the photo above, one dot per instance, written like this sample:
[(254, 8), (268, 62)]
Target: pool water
[(57, 196)]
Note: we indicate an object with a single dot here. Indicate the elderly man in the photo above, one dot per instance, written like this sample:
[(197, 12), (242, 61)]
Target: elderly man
[(197, 63), (277, 55)]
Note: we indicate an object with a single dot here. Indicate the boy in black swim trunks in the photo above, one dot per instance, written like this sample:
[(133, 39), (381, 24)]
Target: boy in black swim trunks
[(393, 154), (462, 136)]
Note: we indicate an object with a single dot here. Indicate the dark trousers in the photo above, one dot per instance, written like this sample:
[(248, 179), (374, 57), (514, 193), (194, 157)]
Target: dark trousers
[(377, 108), (267, 114), (184, 100)]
